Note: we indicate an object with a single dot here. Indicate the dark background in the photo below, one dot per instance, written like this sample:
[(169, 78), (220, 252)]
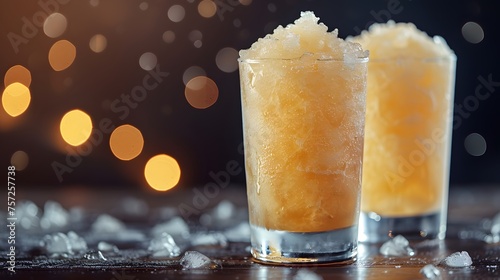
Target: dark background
[(204, 141)]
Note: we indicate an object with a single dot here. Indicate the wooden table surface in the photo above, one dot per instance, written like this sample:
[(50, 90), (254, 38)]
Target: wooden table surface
[(469, 208)]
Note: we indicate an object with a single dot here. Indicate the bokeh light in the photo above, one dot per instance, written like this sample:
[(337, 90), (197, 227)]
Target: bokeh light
[(144, 6), (55, 25), (126, 142), (475, 144), (271, 7), (472, 32), (237, 23), (201, 92), (176, 13), (168, 36), (227, 60), (196, 36), (98, 43), (191, 72), (207, 8), (16, 98), (162, 172), (75, 127), (61, 55), (20, 160), (148, 61), (19, 74), (94, 3)]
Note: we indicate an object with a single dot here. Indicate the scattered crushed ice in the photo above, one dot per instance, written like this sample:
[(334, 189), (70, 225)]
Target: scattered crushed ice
[(495, 225), (164, 246), (77, 243), (76, 215), (398, 246), (107, 247), (212, 238), (56, 244), (194, 259), (239, 233), (306, 274), (54, 216), (224, 210), (27, 215), (94, 255), (430, 271), (107, 224), (133, 206), (458, 259), (175, 227), (494, 236), (221, 215)]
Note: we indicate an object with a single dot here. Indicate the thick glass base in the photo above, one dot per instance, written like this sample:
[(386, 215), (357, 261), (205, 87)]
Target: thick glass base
[(282, 247), (374, 228)]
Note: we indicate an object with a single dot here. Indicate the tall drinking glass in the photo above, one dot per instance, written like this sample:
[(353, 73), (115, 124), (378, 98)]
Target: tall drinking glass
[(303, 122), (407, 148)]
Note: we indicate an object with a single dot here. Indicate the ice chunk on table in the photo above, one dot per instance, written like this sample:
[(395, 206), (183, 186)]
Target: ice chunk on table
[(107, 224), (56, 244), (194, 259), (175, 227), (94, 255), (398, 246), (306, 274), (54, 216), (164, 246), (430, 271), (458, 259)]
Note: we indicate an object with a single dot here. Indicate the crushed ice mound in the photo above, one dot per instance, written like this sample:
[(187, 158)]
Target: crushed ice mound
[(133, 206), (458, 259), (224, 210), (430, 271), (164, 246), (107, 224), (54, 216), (494, 236), (306, 274), (56, 244), (28, 215), (63, 244), (77, 243), (305, 35), (176, 227), (211, 238), (239, 233), (400, 40), (398, 246), (196, 260), (224, 215)]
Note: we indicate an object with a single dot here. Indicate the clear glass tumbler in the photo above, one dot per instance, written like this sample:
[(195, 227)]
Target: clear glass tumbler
[(409, 112), (303, 122)]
